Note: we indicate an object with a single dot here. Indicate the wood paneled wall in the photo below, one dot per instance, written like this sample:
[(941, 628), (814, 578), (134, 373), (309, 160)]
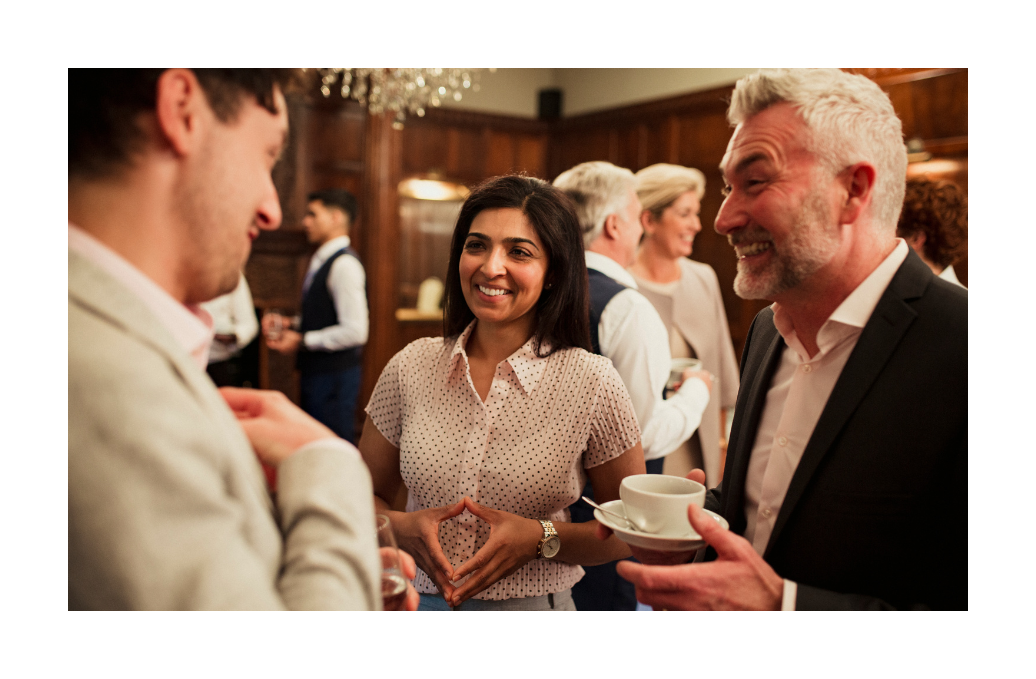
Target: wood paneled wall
[(336, 144), (470, 147)]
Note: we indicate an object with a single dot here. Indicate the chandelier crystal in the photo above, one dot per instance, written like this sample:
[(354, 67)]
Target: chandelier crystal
[(399, 90)]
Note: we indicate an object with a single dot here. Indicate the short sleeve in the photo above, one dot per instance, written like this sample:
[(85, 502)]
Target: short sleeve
[(386, 405), (613, 422)]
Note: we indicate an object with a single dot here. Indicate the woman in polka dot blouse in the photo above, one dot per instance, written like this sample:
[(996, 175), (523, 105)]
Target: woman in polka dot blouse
[(495, 429)]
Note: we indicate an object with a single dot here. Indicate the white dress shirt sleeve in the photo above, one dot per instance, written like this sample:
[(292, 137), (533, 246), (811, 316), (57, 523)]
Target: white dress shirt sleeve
[(791, 592), (246, 327), (633, 335), (347, 284)]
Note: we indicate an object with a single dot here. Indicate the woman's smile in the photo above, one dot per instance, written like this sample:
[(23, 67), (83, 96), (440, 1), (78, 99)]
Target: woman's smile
[(492, 292), (503, 266)]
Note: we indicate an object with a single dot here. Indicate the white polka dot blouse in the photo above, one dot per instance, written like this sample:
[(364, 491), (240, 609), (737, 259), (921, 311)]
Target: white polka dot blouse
[(523, 451)]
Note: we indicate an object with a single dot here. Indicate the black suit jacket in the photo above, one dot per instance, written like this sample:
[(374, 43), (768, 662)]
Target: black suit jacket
[(876, 512)]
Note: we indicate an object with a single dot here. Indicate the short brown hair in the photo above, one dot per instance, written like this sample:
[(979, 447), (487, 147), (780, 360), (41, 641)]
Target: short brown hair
[(104, 103), (939, 209)]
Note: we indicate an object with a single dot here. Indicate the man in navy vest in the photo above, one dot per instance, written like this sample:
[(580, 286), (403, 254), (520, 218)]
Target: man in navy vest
[(334, 322), (626, 328)]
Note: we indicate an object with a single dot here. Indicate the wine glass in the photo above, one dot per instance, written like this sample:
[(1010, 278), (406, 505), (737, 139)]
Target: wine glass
[(275, 326), (393, 582)]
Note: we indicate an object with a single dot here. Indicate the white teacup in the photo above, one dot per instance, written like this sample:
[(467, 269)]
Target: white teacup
[(657, 503), (676, 369)]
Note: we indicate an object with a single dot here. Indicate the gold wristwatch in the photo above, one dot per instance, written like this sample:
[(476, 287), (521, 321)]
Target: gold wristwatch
[(550, 543)]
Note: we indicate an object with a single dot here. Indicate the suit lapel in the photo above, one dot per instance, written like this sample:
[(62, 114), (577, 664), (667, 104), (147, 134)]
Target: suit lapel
[(92, 288), (878, 341), (761, 359)]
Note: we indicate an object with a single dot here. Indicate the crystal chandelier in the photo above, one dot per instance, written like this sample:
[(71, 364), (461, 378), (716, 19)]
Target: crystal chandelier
[(399, 90)]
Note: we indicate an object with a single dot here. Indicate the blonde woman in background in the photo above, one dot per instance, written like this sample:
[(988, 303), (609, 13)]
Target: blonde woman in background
[(687, 297)]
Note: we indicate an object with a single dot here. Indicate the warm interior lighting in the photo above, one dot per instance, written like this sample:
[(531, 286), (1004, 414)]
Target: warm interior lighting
[(937, 167), (432, 189)]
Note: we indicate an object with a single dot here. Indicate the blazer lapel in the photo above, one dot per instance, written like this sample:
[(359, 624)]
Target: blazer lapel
[(760, 359), (878, 340), (94, 289)]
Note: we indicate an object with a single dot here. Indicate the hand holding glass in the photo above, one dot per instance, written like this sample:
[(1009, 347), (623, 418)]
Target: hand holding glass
[(393, 582), (273, 324)]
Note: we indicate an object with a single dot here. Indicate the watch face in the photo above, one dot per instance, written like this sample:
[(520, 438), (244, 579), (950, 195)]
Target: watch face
[(551, 547)]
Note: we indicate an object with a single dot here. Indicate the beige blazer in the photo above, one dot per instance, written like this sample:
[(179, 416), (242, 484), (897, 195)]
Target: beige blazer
[(167, 505), (696, 310)]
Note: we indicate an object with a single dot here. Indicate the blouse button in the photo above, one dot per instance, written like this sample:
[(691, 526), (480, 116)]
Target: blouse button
[(807, 368), (783, 440)]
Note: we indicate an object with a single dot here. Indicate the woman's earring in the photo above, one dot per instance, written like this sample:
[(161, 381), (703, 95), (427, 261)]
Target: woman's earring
[(549, 286)]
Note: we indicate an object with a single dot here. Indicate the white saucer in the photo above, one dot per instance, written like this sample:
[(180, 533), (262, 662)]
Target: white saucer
[(659, 543)]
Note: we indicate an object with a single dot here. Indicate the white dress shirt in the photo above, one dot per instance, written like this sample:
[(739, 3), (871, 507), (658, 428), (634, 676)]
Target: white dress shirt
[(797, 396), (232, 314), (633, 336), (347, 284), (948, 274)]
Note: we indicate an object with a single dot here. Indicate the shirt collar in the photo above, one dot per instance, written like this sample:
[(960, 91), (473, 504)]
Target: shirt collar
[(526, 365), (855, 310), (610, 268), (190, 325), (948, 274), (329, 248)]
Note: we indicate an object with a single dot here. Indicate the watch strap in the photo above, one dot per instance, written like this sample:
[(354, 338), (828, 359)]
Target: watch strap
[(548, 533)]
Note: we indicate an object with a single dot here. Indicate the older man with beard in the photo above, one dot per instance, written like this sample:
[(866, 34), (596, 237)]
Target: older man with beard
[(850, 433)]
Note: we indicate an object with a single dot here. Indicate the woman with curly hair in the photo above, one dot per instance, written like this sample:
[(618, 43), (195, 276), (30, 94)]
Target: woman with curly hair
[(934, 222)]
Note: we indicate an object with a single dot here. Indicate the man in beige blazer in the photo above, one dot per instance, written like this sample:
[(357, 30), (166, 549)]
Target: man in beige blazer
[(169, 181)]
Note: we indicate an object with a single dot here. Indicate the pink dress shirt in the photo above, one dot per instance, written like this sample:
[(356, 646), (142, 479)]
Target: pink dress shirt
[(523, 451), (190, 326), (798, 393)]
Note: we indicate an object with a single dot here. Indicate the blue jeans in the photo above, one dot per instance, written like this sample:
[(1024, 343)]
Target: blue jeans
[(561, 601), (331, 399)]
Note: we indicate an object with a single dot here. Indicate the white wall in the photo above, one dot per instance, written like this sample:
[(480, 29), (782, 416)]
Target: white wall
[(509, 91), (515, 91), (594, 89)]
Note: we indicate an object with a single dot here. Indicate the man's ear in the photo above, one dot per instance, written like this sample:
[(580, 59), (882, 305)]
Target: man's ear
[(859, 184), (342, 219), (611, 227), (179, 105), (647, 221)]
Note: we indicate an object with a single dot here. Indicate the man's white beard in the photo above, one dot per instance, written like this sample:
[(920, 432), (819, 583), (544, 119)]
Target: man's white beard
[(811, 244)]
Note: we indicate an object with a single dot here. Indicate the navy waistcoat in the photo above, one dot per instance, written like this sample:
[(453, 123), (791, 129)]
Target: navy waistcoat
[(318, 312), (602, 289)]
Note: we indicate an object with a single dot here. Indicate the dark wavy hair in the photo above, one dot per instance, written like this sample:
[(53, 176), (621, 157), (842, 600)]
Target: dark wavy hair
[(563, 310), (104, 104), (939, 209)]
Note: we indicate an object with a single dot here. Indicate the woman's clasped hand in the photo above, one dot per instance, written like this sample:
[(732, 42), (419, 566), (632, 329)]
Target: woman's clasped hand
[(418, 535), (512, 544)]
